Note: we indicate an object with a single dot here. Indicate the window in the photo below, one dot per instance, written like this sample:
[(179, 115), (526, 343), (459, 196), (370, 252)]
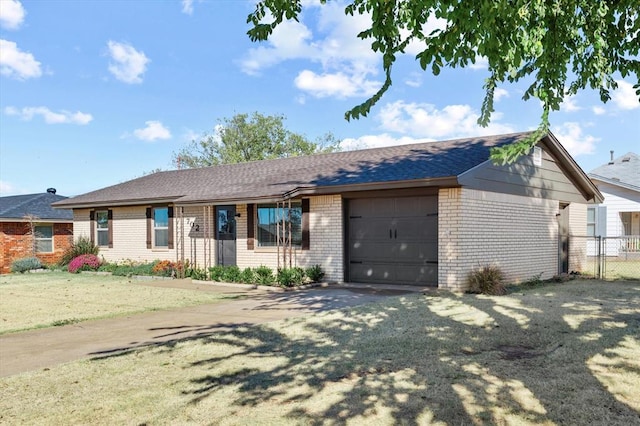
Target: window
[(270, 216), (537, 156), (102, 228), (43, 235), (161, 227), (591, 221), (597, 221)]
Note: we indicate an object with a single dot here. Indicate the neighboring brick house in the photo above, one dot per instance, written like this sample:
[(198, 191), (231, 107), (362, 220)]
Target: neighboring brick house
[(422, 214), (29, 226)]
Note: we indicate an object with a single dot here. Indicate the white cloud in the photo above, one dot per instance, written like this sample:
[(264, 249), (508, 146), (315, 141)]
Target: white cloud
[(377, 141), (17, 64), (482, 63), (345, 63), (414, 80), (500, 93), (11, 14), (339, 85), (128, 63), (154, 130), (572, 137), (50, 117), (187, 7), (569, 104), (598, 110), (625, 96), (426, 121)]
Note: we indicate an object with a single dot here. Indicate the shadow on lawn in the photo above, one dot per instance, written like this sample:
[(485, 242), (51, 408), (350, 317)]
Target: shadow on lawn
[(435, 358)]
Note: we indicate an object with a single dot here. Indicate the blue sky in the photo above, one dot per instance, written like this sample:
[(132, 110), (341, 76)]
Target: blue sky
[(94, 93)]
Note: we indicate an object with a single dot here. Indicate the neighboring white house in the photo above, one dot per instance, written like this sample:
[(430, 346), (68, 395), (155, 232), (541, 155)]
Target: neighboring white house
[(618, 217)]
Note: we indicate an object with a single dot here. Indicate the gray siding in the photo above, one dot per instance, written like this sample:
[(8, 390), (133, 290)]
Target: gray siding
[(523, 178)]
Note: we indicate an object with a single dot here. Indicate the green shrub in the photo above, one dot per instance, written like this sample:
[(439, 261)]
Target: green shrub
[(196, 273), (248, 276), (25, 264), (231, 274), (289, 277), (314, 273), (216, 273), (82, 245), (264, 275), (486, 279)]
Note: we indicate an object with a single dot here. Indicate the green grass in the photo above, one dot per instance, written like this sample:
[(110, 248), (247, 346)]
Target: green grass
[(557, 354), (616, 269), (29, 301)]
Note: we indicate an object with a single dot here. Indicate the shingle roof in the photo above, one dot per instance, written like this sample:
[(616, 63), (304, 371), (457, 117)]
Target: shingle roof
[(273, 178), (38, 205), (622, 171)]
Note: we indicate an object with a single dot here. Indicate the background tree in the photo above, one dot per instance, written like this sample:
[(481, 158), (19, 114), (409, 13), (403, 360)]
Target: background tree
[(559, 46), (244, 138)]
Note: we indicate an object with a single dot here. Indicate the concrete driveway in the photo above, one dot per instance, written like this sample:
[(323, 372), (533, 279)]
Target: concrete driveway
[(36, 349)]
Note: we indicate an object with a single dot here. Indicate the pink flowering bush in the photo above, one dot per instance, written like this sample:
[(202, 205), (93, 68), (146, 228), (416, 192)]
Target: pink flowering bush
[(84, 262)]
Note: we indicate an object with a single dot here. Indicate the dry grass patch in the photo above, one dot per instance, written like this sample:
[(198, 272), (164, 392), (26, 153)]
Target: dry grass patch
[(30, 301), (419, 359)]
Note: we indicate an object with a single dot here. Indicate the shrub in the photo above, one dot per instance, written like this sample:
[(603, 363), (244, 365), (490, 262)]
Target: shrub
[(231, 274), (25, 264), (289, 277), (264, 275), (165, 268), (216, 273), (196, 273), (314, 273), (486, 279), (82, 245), (247, 276), (85, 262)]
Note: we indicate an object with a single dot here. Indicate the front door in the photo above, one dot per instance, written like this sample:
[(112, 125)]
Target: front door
[(226, 235)]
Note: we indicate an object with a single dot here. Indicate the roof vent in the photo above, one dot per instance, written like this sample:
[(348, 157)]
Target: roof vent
[(51, 190), (616, 179), (611, 161), (626, 159)]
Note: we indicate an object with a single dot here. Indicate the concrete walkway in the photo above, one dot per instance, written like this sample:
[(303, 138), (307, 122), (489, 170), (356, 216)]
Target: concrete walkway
[(37, 349)]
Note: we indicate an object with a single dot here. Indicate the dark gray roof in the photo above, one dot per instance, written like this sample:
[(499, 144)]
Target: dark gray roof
[(623, 171), (38, 205), (275, 178)]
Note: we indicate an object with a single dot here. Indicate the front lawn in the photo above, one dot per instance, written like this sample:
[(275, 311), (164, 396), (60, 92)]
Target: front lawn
[(48, 299), (559, 354)]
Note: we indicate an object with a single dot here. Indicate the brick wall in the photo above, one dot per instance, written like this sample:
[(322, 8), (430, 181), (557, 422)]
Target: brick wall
[(129, 238), (518, 234), (325, 233), (16, 242)]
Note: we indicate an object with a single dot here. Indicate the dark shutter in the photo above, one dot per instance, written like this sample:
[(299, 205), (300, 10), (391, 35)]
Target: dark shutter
[(92, 226), (250, 227), (148, 227), (170, 230), (110, 227), (305, 224)]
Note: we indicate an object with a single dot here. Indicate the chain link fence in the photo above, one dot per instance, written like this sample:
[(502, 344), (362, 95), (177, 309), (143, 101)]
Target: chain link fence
[(607, 258)]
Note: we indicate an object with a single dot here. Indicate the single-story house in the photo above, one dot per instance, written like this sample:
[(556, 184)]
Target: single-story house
[(29, 227), (422, 214), (618, 217)]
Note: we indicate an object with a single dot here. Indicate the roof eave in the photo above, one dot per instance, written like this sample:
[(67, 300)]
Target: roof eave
[(115, 203), (449, 181), (614, 182)]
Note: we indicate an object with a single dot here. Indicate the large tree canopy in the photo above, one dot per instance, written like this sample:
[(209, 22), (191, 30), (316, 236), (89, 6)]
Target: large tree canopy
[(558, 47), (244, 138)]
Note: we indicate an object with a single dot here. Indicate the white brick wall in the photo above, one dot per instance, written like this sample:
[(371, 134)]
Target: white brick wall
[(325, 233), (475, 228)]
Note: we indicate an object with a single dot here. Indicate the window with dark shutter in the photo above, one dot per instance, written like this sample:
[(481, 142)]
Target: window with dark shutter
[(250, 227), (305, 224)]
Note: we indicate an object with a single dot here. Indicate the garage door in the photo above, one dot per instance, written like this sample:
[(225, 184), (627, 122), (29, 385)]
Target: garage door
[(394, 240)]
